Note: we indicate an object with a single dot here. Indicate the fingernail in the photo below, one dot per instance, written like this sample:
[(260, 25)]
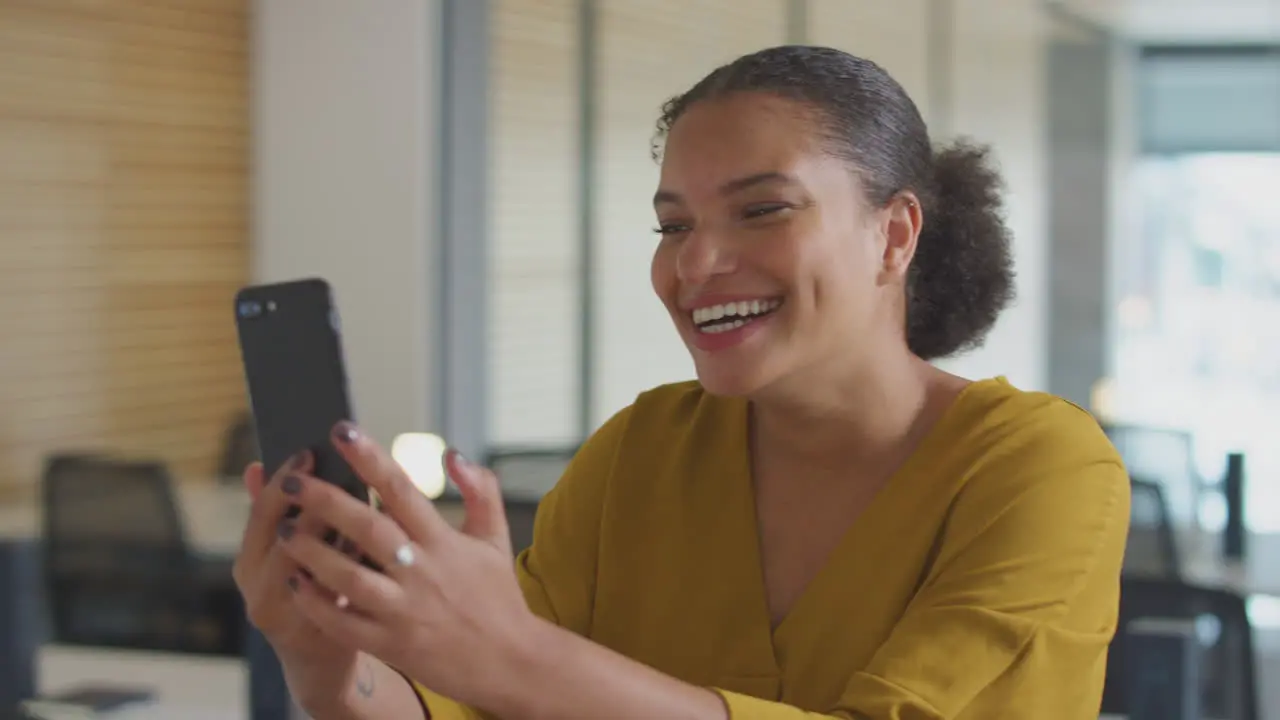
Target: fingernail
[(292, 485), (296, 460), (347, 547), (459, 459), (285, 529), (346, 432), (293, 582)]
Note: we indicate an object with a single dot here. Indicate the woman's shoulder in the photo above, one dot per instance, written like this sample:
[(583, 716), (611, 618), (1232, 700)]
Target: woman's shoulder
[(670, 410), (1012, 425), (661, 418), (666, 433), (1003, 443)]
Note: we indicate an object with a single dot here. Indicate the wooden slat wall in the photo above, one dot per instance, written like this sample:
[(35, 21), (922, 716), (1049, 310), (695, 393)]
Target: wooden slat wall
[(124, 156)]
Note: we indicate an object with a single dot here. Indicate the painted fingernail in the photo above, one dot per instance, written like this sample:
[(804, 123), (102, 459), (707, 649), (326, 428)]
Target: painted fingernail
[(292, 485), (347, 547), (346, 432), (293, 582), (285, 529), (458, 458)]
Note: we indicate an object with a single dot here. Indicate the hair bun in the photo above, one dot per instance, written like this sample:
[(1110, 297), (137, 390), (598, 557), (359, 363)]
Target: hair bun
[(962, 275)]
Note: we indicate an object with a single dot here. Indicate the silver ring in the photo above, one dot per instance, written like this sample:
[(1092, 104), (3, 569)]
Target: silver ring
[(404, 555)]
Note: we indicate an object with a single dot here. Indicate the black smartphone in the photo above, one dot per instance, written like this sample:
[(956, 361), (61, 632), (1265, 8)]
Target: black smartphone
[(291, 346)]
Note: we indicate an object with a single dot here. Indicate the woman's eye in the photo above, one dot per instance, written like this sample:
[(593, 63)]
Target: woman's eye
[(670, 229), (756, 211)]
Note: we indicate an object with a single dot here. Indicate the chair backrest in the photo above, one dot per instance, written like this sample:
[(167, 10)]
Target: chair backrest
[(113, 545), (520, 517), (1165, 457), (1228, 683), (239, 447), (528, 473), (110, 516), (1152, 549)]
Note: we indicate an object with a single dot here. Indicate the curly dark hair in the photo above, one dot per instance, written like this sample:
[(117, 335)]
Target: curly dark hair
[(962, 275)]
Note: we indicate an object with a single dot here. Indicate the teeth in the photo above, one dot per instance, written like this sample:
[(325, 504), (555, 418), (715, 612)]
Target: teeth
[(723, 327), (739, 311)]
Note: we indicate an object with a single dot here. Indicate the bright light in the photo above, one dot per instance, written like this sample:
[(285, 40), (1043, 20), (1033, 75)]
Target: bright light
[(1102, 399), (421, 455), (1135, 312)]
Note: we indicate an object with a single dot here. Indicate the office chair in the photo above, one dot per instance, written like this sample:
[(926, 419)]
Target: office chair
[(1228, 683), (239, 448), (1165, 457), (528, 473), (118, 570), (1152, 549)]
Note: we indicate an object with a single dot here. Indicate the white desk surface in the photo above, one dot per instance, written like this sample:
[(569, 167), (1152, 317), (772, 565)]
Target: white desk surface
[(214, 516), (1248, 578), (187, 687)]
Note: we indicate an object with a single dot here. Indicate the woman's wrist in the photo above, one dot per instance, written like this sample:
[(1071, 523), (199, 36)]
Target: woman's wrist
[(527, 670), (366, 689), (316, 684), (555, 673)]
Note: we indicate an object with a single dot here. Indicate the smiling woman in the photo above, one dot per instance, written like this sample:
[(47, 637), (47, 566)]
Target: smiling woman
[(717, 549)]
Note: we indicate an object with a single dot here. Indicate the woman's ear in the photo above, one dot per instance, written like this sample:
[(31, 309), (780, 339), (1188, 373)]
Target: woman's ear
[(903, 220)]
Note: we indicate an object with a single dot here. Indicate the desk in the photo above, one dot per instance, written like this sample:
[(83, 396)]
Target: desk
[(214, 516), (1257, 574), (187, 687)]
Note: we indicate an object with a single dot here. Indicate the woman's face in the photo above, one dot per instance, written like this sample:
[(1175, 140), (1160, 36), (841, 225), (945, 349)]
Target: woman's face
[(771, 261)]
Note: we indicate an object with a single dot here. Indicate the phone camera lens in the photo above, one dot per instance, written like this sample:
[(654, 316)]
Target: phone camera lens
[(250, 309)]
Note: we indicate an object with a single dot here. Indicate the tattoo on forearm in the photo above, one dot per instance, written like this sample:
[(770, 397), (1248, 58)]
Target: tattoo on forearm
[(364, 679)]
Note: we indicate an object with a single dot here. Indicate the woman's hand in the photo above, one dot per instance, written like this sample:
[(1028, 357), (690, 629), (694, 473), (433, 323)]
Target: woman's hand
[(447, 609), (315, 665)]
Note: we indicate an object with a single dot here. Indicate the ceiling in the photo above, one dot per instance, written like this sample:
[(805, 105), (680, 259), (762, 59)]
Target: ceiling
[(1184, 20)]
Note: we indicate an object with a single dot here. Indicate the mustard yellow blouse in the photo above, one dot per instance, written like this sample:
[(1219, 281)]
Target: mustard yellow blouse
[(981, 583)]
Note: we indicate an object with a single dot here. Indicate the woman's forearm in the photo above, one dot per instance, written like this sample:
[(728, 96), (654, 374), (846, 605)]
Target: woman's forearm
[(374, 692), (565, 676)]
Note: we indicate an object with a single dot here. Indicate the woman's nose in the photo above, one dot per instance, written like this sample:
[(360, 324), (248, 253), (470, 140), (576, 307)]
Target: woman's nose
[(703, 255)]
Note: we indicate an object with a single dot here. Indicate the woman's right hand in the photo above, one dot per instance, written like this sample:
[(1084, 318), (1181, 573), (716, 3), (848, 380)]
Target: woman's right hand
[(314, 665)]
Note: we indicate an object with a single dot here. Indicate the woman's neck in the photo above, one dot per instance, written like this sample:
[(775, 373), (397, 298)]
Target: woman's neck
[(863, 415)]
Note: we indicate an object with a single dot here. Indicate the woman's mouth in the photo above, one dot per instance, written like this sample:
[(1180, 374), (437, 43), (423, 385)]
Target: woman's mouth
[(716, 319)]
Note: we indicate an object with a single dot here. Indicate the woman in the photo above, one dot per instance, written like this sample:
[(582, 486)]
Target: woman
[(824, 525)]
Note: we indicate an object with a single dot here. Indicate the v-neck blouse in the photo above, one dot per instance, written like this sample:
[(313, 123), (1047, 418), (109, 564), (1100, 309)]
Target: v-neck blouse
[(981, 582)]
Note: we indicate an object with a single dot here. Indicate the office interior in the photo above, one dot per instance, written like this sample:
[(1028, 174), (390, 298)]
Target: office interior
[(473, 177)]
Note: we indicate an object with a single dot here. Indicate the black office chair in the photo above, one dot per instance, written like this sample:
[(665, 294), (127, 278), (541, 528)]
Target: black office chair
[(1165, 456), (520, 516), (1228, 684), (118, 570), (1152, 550), (528, 473), (239, 448)]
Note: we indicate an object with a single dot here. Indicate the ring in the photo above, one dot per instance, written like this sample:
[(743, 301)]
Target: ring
[(404, 555)]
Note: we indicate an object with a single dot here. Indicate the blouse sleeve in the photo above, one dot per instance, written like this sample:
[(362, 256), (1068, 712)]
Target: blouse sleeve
[(1022, 598), (557, 572)]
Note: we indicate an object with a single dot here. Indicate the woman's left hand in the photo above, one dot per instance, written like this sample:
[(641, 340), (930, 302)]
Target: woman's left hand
[(447, 609)]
